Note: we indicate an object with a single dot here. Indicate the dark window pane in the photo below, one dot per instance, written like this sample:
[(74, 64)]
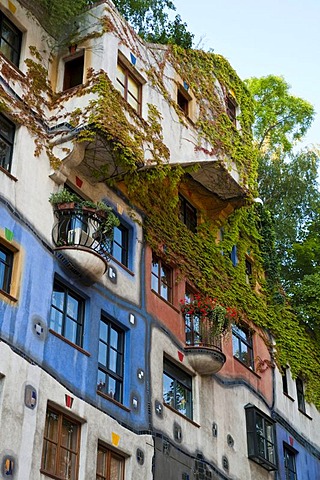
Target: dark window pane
[(6, 264), (67, 313), (10, 40), (110, 357), (129, 87), (73, 72), (177, 388), (7, 130), (61, 446)]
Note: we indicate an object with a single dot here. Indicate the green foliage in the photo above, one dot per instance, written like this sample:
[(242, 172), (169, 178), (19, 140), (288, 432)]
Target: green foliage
[(151, 21), (289, 188), (281, 119), (59, 16)]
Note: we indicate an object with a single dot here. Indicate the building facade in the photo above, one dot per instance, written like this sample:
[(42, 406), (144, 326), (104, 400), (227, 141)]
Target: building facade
[(126, 169)]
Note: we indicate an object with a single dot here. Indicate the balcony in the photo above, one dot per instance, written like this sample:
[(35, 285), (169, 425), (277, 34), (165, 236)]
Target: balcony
[(83, 239), (203, 345)]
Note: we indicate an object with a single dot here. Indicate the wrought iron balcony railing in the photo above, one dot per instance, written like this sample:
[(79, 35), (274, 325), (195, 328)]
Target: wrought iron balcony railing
[(82, 228), (202, 332)]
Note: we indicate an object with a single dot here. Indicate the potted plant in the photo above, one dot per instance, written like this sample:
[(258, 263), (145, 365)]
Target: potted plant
[(64, 199)]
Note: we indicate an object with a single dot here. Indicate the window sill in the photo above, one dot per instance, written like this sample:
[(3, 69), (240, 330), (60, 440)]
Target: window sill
[(8, 296), (305, 414), (64, 339), (51, 475), (122, 266), (70, 90), (3, 170), (112, 400), (181, 415), (247, 368), (15, 67), (165, 301), (288, 396)]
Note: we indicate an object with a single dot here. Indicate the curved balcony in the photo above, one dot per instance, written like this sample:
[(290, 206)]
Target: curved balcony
[(203, 348), (83, 240)]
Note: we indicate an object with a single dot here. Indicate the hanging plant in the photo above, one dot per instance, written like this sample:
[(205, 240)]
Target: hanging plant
[(208, 309)]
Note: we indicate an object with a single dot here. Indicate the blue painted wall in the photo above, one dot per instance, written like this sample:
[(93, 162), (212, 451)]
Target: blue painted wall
[(307, 464), (70, 366)]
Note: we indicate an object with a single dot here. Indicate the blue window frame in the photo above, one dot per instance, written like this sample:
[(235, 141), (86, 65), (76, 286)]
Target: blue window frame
[(67, 313)]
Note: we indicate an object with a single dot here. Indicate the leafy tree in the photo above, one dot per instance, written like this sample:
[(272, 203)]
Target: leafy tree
[(281, 119), (151, 21), (288, 186)]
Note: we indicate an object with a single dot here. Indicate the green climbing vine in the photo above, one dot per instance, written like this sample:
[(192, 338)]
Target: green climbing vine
[(140, 159)]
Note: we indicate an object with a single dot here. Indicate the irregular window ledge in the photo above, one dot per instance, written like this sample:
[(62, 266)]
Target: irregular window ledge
[(64, 339), (181, 415), (112, 400), (165, 301), (12, 177), (247, 368), (122, 266), (305, 414), (8, 296)]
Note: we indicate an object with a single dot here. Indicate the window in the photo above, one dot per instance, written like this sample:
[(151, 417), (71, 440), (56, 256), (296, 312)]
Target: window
[(120, 244), (129, 87), (260, 437), (10, 40), (183, 101), (192, 323), (110, 465), (285, 381), (234, 256), (111, 360), (242, 345), (177, 388), (67, 313), (300, 395), (232, 109), (289, 463), (6, 264), (161, 278), (188, 214), (60, 454), (73, 71), (7, 131), (248, 269)]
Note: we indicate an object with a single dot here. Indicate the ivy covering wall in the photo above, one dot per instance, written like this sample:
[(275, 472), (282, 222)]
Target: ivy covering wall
[(199, 257)]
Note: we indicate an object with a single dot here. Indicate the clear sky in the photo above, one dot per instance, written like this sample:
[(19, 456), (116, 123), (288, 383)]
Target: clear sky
[(262, 37)]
